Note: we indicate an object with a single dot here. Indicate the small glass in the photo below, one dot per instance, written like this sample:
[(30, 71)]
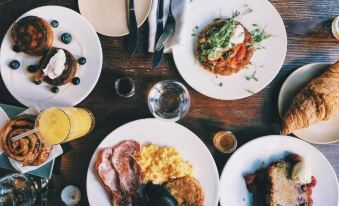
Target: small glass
[(169, 100), (125, 87), (225, 141)]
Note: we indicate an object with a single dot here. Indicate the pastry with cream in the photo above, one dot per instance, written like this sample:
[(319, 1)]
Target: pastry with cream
[(58, 67)]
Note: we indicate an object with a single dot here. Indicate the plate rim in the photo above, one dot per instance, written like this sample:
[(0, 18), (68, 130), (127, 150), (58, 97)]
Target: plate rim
[(215, 169), (122, 34), (249, 94), (283, 87), (290, 138), (100, 55)]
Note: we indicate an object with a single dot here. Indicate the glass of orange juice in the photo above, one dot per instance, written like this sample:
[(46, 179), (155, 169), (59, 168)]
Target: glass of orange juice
[(59, 125)]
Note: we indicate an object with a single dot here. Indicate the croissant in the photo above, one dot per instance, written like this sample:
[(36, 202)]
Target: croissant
[(318, 101)]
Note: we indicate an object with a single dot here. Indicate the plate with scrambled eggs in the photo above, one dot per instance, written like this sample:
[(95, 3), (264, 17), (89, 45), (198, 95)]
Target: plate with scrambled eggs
[(168, 156)]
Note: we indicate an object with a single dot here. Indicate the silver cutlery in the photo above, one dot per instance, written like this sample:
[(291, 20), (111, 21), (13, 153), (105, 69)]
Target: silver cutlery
[(133, 28), (168, 30), (157, 55)]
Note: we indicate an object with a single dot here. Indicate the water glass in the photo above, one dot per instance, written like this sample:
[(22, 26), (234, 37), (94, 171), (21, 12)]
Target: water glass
[(169, 100)]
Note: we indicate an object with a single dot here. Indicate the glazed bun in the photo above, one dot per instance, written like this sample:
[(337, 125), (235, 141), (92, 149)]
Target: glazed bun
[(32, 35)]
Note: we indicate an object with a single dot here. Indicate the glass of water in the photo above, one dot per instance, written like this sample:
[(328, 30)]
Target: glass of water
[(169, 100)]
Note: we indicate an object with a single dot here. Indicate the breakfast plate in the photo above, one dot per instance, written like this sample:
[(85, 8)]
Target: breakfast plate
[(109, 17), (253, 155), (263, 66), (162, 133), (85, 43), (323, 132)]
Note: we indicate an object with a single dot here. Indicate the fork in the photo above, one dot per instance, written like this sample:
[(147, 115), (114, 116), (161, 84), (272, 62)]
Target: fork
[(168, 30)]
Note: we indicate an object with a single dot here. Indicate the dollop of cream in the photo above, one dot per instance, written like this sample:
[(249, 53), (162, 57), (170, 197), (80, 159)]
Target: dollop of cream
[(56, 65), (335, 27), (238, 35), (302, 172)]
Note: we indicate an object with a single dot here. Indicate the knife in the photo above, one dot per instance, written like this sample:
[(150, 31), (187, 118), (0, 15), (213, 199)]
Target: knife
[(133, 28), (157, 55)]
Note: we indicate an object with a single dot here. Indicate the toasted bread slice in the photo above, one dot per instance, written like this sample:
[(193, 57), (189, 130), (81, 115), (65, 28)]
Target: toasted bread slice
[(32, 35), (233, 60), (71, 67), (283, 191)]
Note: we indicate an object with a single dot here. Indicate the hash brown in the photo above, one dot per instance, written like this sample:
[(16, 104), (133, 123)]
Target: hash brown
[(187, 191)]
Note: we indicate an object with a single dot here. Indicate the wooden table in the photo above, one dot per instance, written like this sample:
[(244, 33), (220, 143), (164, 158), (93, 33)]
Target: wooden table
[(309, 40)]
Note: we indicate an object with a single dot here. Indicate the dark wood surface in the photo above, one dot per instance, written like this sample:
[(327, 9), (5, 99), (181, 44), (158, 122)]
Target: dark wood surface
[(309, 40)]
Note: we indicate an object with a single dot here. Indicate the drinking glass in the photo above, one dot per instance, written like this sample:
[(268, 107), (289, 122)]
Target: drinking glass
[(125, 87), (169, 100), (59, 125), (18, 189)]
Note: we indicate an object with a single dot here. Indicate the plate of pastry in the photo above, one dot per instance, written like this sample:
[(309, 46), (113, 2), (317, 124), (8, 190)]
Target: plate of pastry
[(227, 49), (50, 56), (149, 162), (289, 172), (309, 103), (101, 13)]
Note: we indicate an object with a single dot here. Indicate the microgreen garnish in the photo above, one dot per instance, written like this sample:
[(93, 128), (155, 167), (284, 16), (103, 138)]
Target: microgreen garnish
[(248, 78), (259, 34), (249, 91)]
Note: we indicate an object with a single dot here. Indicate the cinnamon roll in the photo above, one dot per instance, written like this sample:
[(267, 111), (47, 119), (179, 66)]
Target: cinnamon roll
[(30, 150)]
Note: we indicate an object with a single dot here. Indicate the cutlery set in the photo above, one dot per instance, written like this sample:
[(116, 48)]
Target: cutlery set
[(163, 33)]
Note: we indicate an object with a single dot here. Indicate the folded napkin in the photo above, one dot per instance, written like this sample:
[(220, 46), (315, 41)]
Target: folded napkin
[(179, 11), (55, 152)]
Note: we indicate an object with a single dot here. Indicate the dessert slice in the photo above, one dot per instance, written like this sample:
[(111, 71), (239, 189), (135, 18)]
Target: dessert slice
[(32, 35), (283, 190), (286, 182), (58, 67)]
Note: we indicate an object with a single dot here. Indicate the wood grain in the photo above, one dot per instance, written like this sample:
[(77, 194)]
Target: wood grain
[(309, 40)]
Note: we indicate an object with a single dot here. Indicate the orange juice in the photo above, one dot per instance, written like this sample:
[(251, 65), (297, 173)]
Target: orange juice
[(58, 125)]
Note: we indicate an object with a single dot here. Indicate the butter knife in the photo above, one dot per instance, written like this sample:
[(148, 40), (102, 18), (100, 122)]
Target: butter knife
[(133, 28), (157, 55)]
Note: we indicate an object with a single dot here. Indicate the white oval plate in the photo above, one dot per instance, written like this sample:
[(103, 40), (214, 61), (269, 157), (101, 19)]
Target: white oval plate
[(324, 132), (19, 82), (109, 17), (267, 61), (248, 158), (163, 133)]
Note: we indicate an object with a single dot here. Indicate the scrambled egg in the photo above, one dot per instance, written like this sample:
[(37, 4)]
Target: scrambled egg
[(161, 164)]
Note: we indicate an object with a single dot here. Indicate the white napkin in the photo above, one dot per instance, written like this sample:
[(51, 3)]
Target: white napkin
[(180, 12), (55, 152)]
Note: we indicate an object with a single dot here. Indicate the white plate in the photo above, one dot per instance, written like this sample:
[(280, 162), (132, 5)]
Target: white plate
[(109, 17), (19, 82), (267, 61), (163, 133), (324, 132), (250, 157)]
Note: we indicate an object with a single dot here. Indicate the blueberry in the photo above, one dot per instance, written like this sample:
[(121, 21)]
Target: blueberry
[(82, 60), (15, 64), (37, 82), (55, 89), (16, 49), (66, 38), (32, 68), (54, 23), (76, 80)]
